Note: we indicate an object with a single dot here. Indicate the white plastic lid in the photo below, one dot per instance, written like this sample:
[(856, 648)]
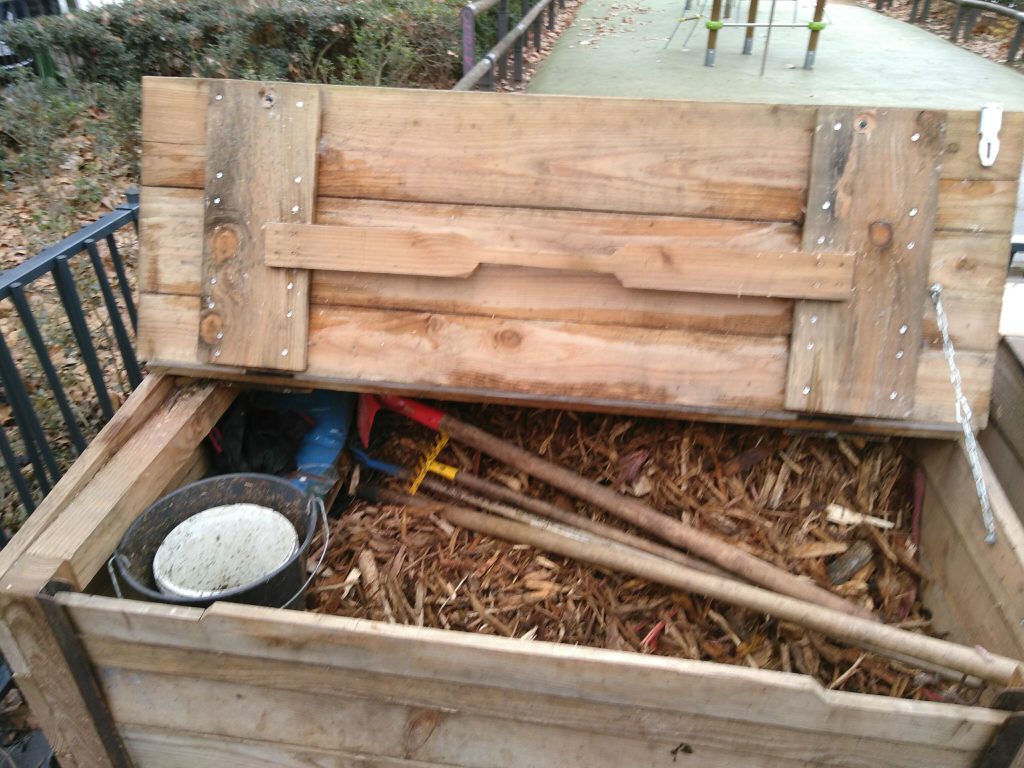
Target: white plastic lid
[(223, 548)]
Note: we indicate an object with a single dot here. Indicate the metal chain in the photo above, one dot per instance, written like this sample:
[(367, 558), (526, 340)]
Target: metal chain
[(964, 416)]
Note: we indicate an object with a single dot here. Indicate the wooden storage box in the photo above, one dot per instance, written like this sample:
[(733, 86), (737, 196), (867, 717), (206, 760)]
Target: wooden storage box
[(1003, 438), (490, 250)]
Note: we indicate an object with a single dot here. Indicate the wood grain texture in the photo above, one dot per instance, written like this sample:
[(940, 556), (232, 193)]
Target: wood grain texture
[(983, 584), (170, 262), (1008, 396), (1006, 463), (93, 523), (526, 682), (261, 165), (457, 733), (873, 187), (444, 249), (977, 205)]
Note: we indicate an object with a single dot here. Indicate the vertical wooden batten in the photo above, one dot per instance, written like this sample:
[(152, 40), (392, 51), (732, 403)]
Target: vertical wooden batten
[(873, 191), (261, 165)]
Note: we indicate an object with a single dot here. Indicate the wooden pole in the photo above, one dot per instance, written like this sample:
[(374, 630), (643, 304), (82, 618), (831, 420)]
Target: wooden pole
[(551, 512), (841, 626), (634, 511)]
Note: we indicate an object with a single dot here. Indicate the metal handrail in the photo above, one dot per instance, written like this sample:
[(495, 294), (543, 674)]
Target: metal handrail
[(514, 40), (56, 262)]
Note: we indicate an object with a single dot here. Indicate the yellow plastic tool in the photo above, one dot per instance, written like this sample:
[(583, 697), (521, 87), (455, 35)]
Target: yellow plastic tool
[(429, 463)]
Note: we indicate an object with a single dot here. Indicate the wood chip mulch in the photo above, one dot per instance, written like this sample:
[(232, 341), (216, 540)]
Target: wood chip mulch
[(766, 491)]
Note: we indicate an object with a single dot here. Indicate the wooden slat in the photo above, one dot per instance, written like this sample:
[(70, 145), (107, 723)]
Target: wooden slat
[(416, 665), (985, 588), (873, 187), (261, 162), (460, 733), (1008, 395), (153, 393), (171, 256), (973, 205), (445, 249), (1005, 463), (170, 343), (93, 523)]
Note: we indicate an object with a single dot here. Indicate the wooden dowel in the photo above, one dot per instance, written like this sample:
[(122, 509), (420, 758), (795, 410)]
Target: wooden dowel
[(551, 512), (634, 511), (851, 629)]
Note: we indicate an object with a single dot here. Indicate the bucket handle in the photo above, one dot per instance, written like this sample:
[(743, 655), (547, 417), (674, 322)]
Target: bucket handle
[(315, 507)]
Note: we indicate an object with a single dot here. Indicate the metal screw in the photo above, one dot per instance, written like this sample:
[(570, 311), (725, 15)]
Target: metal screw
[(289, 313), (216, 353), (821, 240), (218, 97), (915, 137), (299, 105), (220, 334), (213, 281), (216, 201), (807, 390), (810, 346), (826, 205), (892, 395), (814, 319), (210, 304), (837, 126), (290, 286), (298, 180), (910, 245), (899, 355), (913, 212), (903, 330), (219, 174), (295, 209), (284, 352)]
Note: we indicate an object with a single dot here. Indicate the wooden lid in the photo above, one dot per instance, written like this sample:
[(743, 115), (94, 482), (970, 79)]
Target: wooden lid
[(751, 263)]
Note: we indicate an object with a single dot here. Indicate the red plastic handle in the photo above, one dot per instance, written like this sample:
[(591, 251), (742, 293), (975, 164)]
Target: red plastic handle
[(415, 410)]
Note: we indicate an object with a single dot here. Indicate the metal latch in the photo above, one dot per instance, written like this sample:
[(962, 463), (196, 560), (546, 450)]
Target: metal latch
[(988, 129)]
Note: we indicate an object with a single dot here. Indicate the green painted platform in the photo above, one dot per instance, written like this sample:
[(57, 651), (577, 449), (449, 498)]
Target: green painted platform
[(616, 48)]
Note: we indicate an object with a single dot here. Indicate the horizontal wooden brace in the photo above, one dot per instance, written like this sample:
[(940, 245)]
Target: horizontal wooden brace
[(653, 263)]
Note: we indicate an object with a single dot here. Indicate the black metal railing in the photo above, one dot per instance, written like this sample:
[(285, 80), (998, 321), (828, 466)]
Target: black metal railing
[(967, 12), (510, 41), (61, 360)]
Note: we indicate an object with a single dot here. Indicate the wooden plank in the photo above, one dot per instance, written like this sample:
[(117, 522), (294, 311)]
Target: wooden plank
[(171, 345), (171, 258), (418, 666), (873, 187), (960, 156), (447, 250), (992, 582), (1005, 463), (261, 163), (977, 205), (461, 733), (154, 391), (93, 523), (1008, 396), (165, 748), (591, 154)]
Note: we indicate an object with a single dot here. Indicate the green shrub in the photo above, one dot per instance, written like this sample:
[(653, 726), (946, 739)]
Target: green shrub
[(379, 42)]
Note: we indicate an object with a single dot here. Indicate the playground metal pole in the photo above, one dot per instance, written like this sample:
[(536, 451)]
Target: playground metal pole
[(768, 37), (816, 27), (748, 41), (714, 24)]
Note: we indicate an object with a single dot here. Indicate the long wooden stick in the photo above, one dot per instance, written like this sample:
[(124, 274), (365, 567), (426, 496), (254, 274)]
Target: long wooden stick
[(550, 511), (698, 543), (617, 557)]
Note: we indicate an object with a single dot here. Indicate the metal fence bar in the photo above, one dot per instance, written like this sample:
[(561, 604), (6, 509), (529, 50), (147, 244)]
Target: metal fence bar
[(502, 31), (11, 461), (122, 280), (38, 450), (532, 19), (69, 297), (36, 339), (120, 334)]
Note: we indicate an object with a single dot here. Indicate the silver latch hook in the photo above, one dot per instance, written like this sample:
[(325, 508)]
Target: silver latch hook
[(988, 128)]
